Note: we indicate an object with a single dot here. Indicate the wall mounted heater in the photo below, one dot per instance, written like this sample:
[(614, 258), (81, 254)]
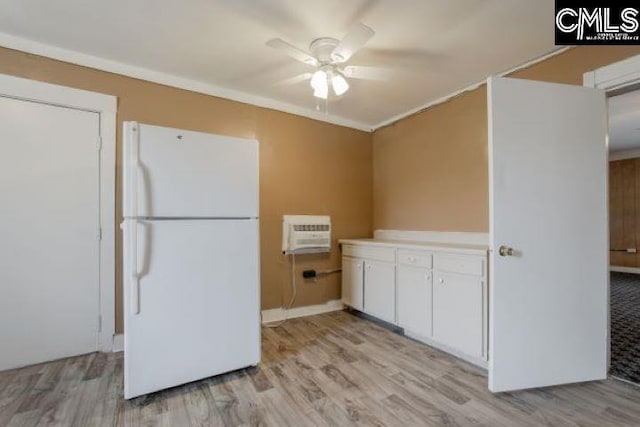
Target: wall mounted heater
[(306, 234)]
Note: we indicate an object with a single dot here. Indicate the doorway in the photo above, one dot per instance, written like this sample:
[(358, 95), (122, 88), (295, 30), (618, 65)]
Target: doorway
[(620, 80), (624, 227)]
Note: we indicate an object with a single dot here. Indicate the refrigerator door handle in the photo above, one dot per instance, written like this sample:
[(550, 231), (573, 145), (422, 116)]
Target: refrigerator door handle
[(138, 176), (143, 242), (139, 262), (134, 288), (134, 166)]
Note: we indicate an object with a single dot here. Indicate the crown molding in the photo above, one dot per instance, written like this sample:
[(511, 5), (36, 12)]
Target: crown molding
[(468, 88), (85, 60)]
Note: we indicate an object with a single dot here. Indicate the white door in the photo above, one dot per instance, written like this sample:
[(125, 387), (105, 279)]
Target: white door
[(193, 311), (380, 290), (548, 199), (414, 299), (48, 232), (352, 284), (182, 173)]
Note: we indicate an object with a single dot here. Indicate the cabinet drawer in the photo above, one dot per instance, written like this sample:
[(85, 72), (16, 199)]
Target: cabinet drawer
[(378, 253), (414, 258), (462, 264)]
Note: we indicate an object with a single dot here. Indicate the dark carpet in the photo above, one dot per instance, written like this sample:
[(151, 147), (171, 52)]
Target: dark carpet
[(625, 326)]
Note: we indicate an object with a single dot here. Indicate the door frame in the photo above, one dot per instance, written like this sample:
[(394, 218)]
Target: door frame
[(106, 107), (613, 78)]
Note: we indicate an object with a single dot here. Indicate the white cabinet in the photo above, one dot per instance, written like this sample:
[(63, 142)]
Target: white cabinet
[(368, 280), (380, 290), (458, 312), (352, 282), (414, 299), (436, 293)]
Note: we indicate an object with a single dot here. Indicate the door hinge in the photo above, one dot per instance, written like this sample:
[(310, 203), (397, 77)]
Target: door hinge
[(99, 143), (100, 233)]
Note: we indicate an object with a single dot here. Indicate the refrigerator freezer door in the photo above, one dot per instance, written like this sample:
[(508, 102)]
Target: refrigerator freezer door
[(198, 308), (175, 173)]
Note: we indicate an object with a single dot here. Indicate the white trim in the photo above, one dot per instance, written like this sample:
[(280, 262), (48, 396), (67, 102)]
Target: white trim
[(469, 88), (447, 237), (614, 76), (73, 57), (279, 314), (617, 269), (118, 343), (105, 106), (626, 154), (33, 90), (613, 377)]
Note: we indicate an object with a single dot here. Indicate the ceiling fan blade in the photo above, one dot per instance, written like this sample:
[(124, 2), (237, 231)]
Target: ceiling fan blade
[(352, 42), (367, 73), (294, 80), (292, 51)]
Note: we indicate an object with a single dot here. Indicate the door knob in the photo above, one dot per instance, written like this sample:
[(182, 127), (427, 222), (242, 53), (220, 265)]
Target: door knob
[(505, 251)]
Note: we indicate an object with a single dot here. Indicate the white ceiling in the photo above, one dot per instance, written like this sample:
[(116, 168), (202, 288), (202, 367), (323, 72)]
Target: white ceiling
[(624, 122), (434, 47)]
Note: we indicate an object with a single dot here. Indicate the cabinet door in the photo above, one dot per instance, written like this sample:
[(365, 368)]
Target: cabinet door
[(457, 312), (414, 299), (352, 282), (379, 290)]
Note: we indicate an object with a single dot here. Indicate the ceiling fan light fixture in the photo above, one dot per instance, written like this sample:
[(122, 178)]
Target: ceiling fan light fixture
[(322, 93), (320, 84), (327, 54), (339, 83), (318, 79)]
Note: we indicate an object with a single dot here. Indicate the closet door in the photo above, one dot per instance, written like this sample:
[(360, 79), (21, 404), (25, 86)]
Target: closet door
[(49, 270)]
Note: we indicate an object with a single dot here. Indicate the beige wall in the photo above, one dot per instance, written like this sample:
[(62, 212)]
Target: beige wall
[(306, 166), (431, 170), (426, 172)]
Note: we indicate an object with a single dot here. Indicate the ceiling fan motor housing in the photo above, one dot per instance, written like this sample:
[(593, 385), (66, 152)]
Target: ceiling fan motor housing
[(322, 49)]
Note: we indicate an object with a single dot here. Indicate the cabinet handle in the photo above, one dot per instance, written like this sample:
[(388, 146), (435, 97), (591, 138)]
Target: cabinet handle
[(359, 266), (427, 276), (441, 281), (368, 266), (412, 259)]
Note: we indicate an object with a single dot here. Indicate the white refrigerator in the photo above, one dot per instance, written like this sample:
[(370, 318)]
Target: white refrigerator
[(191, 260)]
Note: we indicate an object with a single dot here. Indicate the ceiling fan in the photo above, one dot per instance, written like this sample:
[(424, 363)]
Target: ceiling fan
[(329, 55)]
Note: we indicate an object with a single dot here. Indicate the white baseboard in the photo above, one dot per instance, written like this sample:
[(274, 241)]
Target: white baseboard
[(278, 314), (268, 316), (617, 269), (453, 237), (626, 154), (118, 343)]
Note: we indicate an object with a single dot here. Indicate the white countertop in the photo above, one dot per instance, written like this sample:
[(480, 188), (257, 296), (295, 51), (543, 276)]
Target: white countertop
[(434, 246)]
